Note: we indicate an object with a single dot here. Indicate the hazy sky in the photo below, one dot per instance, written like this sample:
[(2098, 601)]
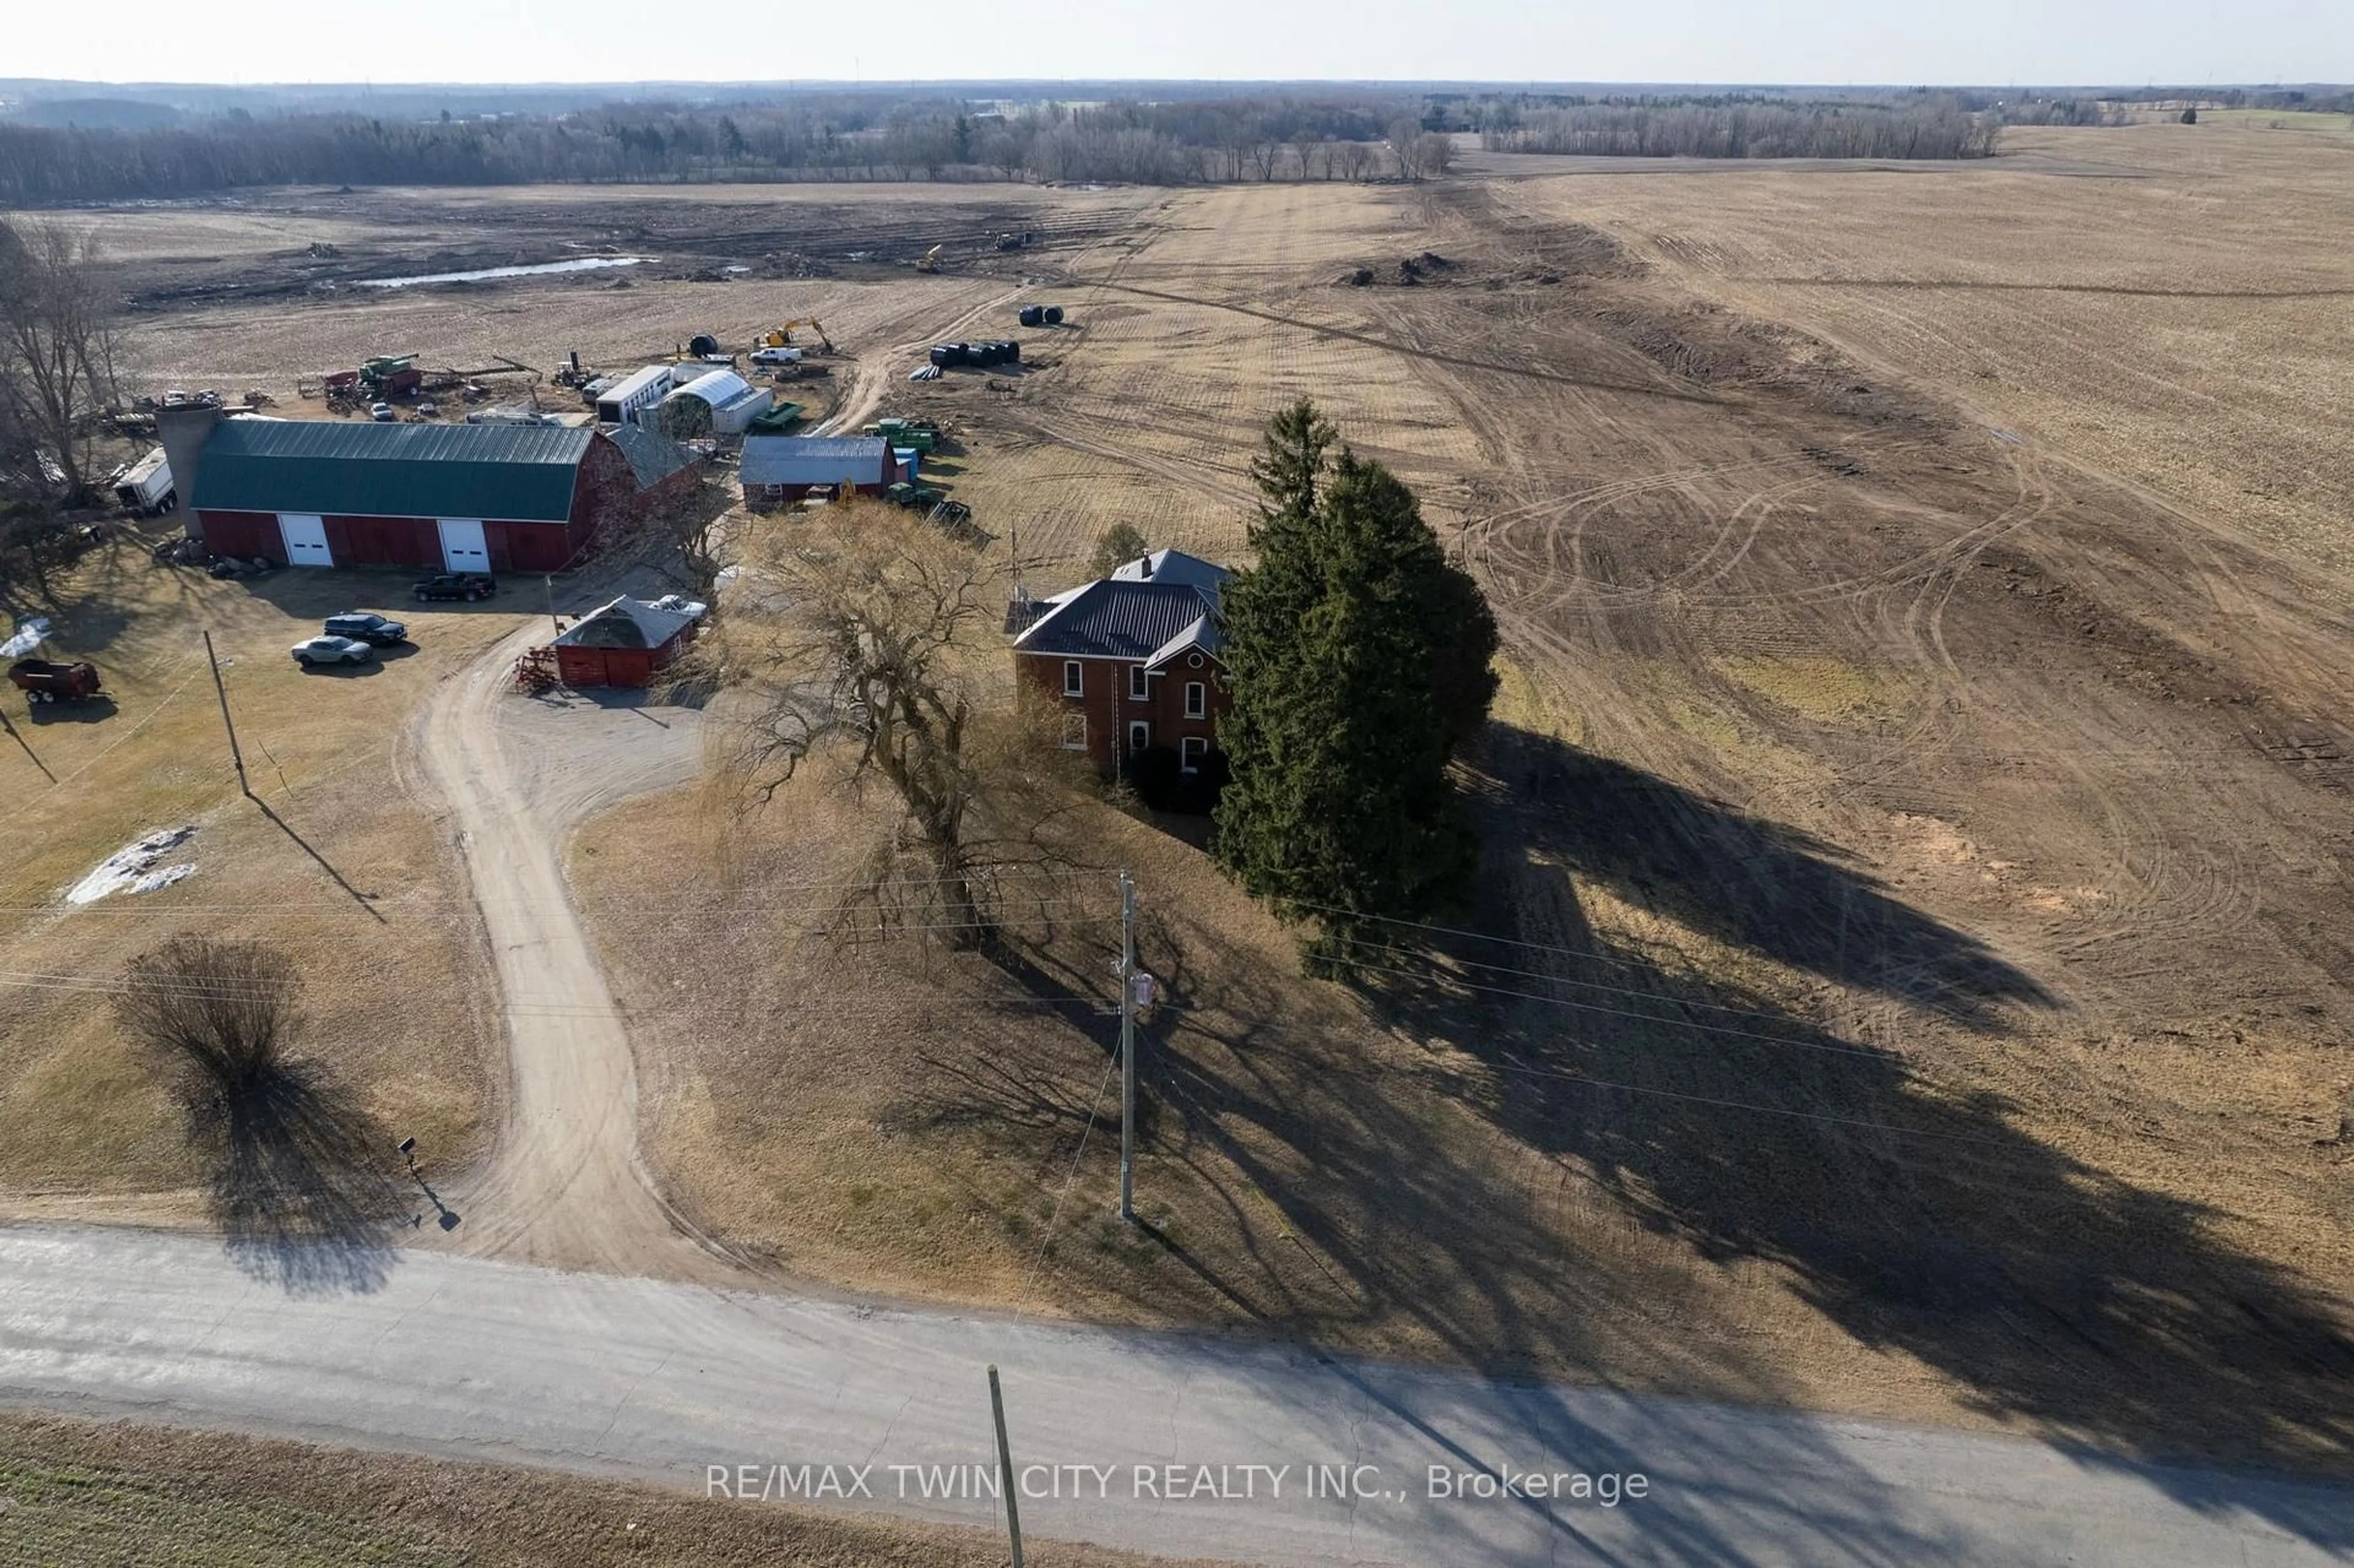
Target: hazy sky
[(1991, 42)]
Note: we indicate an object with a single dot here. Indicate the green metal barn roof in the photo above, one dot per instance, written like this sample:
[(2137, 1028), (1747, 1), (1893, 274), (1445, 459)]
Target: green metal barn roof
[(522, 473)]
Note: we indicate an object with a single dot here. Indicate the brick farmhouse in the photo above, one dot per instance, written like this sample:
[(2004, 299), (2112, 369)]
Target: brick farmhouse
[(1130, 662)]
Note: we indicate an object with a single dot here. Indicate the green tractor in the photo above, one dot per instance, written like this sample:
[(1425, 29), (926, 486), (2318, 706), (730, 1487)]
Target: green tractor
[(922, 497), (921, 435)]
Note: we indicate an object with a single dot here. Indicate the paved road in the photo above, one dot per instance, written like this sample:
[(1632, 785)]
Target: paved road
[(473, 1356)]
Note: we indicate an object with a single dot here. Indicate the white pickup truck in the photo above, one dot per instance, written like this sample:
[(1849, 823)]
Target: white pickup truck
[(775, 356)]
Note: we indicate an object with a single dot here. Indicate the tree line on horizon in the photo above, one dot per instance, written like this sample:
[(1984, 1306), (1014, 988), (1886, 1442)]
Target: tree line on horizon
[(1194, 142), (1344, 135), (1934, 128)]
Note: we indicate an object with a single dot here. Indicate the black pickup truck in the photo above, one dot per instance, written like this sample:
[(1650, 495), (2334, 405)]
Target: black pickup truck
[(366, 626), (456, 585)]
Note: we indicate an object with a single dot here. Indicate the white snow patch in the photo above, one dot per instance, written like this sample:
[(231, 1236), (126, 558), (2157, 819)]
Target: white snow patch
[(132, 868), (163, 877)]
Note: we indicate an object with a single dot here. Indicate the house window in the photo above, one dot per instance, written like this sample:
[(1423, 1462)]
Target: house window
[(1075, 678), (1140, 736), (1190, 750), (1074, 732), (1197, 700), (1137, 692)]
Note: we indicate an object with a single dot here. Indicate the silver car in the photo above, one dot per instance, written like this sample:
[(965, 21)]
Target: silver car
[(332, 651)]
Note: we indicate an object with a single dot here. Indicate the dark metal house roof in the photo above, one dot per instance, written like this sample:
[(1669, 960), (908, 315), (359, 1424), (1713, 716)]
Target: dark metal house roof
[(521, 473), (1116, 619)]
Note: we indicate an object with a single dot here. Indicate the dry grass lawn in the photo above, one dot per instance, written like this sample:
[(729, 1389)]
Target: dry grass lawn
[(340, 861), (114, 1493)]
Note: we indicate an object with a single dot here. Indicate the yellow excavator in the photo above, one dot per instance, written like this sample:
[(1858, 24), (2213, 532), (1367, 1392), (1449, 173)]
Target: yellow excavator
[(783, 336), (931, 261)]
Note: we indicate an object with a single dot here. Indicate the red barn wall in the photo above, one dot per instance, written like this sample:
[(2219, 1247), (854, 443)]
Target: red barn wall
[(245, 535), (605, 496), (578, 667), (379, 541), (526, 547)]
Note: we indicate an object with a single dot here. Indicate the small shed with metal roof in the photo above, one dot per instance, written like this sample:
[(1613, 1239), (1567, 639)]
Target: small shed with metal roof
[(776, 470), (627, 641)]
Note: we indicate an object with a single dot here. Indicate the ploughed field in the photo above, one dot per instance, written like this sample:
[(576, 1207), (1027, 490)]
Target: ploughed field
[(1909, 970)]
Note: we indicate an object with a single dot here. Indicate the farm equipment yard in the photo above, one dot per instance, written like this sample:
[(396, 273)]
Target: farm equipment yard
[(1916, 960)]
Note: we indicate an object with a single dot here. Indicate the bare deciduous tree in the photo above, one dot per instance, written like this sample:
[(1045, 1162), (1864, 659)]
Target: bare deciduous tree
[(1404, 143), (1356, 157), (56, 343), (221, 1012), (34, 547), (866, 638), (1433, 155), (696, 526)]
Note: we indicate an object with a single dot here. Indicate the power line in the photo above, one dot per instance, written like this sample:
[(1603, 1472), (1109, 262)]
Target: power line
[(1585, 953), (1564, 979), (1045, 1240), (856, 885), (224, 990), (1887, 1127), (1865, 1051)]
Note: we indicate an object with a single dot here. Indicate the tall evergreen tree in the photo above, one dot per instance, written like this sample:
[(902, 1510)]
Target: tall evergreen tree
[(1359, 659), (1292, 463)]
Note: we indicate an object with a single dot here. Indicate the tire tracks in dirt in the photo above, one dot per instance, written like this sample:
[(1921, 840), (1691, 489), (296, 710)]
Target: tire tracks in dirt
[(564, 1185)]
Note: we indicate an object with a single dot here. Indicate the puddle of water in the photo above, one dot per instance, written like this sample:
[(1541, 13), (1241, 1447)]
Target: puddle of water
[(579, 264)]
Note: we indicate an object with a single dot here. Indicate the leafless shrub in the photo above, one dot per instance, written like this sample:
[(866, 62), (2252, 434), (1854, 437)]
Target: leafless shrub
[(220, 1012)]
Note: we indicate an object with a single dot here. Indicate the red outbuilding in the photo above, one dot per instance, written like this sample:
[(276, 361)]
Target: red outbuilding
[(628, 642)]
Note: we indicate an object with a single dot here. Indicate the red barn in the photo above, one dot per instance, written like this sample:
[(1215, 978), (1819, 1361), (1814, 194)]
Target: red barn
[(626, 642), (461, 498)]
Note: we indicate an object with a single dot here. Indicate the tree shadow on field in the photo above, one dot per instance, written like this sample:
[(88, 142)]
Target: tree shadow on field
[(1292, 1182), (1917, 1216), (301, 1185), (1760, 885)]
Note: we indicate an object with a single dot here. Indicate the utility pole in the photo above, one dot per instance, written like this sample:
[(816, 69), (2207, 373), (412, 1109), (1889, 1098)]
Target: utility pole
[(1126, 1049), (222, 692), (1006, 1465)]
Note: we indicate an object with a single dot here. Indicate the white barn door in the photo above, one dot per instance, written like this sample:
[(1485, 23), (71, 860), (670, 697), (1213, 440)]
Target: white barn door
[(305, 535), (464, 549)]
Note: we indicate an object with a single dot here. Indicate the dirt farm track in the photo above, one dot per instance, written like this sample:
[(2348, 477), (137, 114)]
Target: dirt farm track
[(1927, 614)]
